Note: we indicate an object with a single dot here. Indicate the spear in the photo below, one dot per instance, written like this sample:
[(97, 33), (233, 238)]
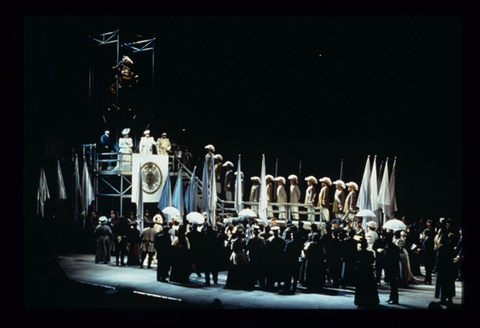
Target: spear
[(341, 169)]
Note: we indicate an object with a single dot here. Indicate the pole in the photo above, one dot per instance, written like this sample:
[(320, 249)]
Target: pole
[(341, 170), (275, 182)]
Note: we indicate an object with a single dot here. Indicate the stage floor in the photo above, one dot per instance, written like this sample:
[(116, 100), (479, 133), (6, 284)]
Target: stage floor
[(82, 269)]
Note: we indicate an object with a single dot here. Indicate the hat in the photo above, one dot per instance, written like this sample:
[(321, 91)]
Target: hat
[(125, 131), (352, 184), (164, 134), (176, 219), (269, 176), (102, 219), (146, 132), (326, 180), (255, 179), (218, 156), (228, 163), (372, 224), (210, 147), (339, 182), (275, 228), (280, 179), (292, 177), (311, 178)]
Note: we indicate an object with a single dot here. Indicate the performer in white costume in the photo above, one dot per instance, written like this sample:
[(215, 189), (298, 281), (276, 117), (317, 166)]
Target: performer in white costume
[(163, 145), (324, 200), (146, 143), (310, 196), (281, 197), (125, 145), (294, 195)]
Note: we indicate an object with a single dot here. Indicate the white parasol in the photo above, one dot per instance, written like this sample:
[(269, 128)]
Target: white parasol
[(195, 217), (247, 212), (395, 225), (365, 213), (170, 210)]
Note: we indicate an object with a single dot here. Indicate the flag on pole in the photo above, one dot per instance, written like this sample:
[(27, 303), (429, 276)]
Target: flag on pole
[(363, 201), (43, 193), (177, 196), (393, 199), (262, 208), (191, 193), (384, 195), (77, 190), (62, 192), (374, 186), (373, 193), (87, 190), (139, 200), (238, 188), (166, 197), (212, 208)]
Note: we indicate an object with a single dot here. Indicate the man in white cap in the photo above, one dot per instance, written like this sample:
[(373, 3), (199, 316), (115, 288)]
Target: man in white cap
[(125, 145), (324, 199), (339, 199), (163, 145), (255, 192), (351, 202), (218, 172), (146, 143), (269, 179), (294, 195), (229, 181), (281, 197), (310, 196)]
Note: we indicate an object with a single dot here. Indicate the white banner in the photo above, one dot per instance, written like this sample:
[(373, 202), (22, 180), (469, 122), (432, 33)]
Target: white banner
[(154, 172)]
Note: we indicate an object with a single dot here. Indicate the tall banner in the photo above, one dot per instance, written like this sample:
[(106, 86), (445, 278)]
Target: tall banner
[(154, 169)]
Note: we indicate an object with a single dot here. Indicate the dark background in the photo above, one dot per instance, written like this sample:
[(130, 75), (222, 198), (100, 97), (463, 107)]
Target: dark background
[(253, 85)]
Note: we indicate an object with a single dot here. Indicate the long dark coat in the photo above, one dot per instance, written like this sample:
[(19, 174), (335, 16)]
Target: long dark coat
[(445, 272), (164, 248), (366, 293), (103, 234)]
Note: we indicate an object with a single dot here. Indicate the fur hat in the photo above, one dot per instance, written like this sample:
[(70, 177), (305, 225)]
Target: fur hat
[(340, 182), (292, 177), (255, 179), (352, 184), (218, 156), (280, 179), (311, 178), (326, 180), (228, 163), (210, 147), (269, 176)]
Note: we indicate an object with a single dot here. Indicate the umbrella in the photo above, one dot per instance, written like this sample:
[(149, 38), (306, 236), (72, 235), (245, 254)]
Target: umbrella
[(170, 210), (365, 213), (247, 212), (195, 217), (395, 225)]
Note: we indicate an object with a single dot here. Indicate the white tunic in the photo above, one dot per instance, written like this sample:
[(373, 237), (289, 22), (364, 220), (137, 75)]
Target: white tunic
[(146, 145), (125, 145)]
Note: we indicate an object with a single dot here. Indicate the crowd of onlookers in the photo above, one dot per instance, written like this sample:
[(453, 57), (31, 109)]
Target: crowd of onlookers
[(279, 257)]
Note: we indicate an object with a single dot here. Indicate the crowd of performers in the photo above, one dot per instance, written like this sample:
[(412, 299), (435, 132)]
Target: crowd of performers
[(278, 258)]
